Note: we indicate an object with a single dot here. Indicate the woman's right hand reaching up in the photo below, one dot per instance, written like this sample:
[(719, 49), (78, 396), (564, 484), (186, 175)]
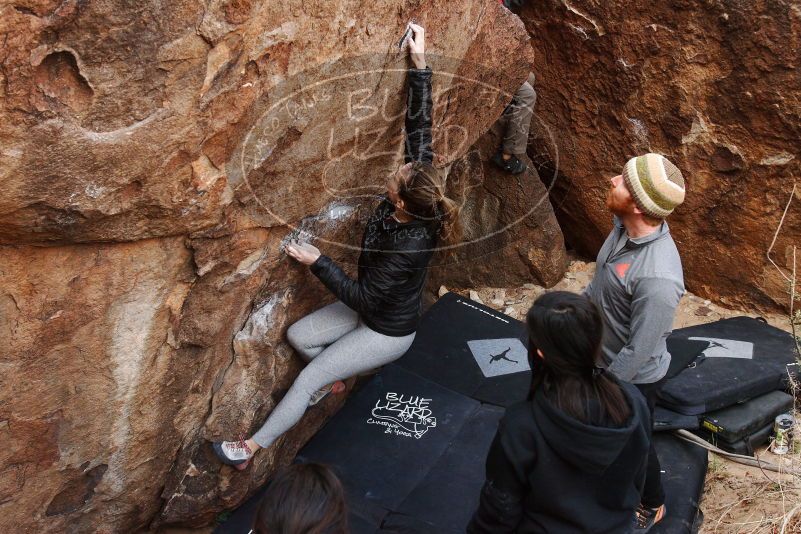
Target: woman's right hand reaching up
[(417, 46)]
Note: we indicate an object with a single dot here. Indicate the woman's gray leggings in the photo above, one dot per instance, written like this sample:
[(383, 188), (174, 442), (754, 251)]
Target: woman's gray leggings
[(337, 345)]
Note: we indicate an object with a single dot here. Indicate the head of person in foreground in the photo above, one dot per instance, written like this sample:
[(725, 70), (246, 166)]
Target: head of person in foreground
[(565, 334), (303, 499)]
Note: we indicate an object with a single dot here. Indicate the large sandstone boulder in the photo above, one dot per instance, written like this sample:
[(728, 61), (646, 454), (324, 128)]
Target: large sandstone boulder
[(713, 85), (511, 235), (154, 156)]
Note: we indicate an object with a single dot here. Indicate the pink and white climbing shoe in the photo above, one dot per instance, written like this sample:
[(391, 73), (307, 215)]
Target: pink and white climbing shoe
[(234, 453)]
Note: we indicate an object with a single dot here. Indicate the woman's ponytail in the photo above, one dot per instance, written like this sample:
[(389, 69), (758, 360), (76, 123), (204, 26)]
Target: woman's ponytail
[(568, 329), (451, 229), (424, 195)]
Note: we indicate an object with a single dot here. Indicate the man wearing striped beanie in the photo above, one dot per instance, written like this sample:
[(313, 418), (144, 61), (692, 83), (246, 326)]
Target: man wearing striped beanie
[(637, 285)]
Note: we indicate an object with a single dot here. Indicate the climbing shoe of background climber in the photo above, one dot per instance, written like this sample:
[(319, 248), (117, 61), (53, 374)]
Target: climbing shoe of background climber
[(513, 165)]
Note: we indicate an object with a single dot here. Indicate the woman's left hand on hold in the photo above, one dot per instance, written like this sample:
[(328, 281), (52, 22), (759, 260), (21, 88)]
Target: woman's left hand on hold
[(305, 253)]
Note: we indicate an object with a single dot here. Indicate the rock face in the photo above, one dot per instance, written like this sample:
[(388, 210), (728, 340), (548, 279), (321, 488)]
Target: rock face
[(154, 156), (511, 234), (713, 85)]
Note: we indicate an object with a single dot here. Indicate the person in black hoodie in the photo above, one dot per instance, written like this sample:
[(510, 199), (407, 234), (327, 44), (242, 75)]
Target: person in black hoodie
[(573, 457), (375, 318)]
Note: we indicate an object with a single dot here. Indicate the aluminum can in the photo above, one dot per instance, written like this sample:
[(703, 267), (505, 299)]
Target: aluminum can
[(782, 430)]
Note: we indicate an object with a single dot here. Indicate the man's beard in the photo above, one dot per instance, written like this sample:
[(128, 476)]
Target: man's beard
[(611, 204), (616, 206)]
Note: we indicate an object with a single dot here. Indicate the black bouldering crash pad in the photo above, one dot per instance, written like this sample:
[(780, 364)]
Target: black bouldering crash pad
[(411, 449), (396, 443), (740, 421), (684, 469), (683, 352), (745, 358), (241, 520), (449, 494), (473, 350), (665, 420), (387, 437), (745, 446)]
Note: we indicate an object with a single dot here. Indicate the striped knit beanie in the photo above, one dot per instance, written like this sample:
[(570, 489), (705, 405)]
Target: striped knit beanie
[(656, 185)]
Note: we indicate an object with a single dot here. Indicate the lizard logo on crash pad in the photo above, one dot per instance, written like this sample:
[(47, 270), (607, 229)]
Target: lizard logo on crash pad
[(403, 415)]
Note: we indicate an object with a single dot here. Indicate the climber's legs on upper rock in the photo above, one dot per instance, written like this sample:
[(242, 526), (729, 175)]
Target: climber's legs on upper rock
[(516, 120)]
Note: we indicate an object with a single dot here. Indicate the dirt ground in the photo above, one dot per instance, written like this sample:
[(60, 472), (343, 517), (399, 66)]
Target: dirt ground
[(737, 498)]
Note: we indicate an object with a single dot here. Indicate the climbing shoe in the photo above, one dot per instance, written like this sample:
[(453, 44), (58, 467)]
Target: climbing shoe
[(648, 517), (235, 453), (513, 165), (337, 387)]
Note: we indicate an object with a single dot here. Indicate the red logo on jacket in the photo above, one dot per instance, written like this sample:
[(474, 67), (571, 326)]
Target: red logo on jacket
[(621, 269)]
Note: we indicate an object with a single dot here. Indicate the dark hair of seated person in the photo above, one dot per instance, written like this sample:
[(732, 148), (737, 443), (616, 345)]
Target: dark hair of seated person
[(568, 329), (303, 499)]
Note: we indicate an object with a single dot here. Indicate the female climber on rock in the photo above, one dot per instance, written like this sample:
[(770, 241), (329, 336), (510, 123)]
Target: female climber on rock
[(573, 457), (375, 317)]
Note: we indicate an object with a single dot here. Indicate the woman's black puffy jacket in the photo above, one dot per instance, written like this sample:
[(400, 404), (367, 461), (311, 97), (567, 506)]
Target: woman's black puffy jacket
[(394, 258)]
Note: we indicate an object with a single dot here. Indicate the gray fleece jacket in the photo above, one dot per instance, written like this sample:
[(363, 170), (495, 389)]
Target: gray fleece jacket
[(637, 285)]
